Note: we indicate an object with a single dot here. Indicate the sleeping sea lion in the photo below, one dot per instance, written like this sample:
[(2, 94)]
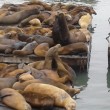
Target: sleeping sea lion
[(28, 49), (8, 69), (7, 82), (22, 85), (13, 99), (14, 73), (41, 49), (35, 95), (18, 16), (75, 48)]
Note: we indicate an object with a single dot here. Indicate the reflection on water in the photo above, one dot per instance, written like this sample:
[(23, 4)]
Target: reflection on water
[(82, 79), (108, 79)]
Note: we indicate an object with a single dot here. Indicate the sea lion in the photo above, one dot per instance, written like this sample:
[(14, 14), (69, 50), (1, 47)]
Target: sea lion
[(42, 39), (35, 22), (13, 99), (58, 96), (85, 21), (8, 69), (4, 48), (28, 49), (78, 9), (41, 49), (53, 62), (3, 65), (87, 34), (25, 77), (62, 35), (7, 82), (18, 16), (22, 85), (25, 22), (14, 73), (75, 48)]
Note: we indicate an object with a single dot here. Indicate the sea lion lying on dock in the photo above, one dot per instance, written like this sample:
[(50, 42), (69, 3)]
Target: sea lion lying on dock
[(18, 16), (7, 82), (13, 99), (8, 69), (28, 49), (75, 48), (34, 94), (22, 85)]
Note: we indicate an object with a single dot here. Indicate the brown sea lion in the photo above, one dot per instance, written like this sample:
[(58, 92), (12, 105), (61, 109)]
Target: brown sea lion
[(18, 16), (74, 48), (22, 85), (28, 49), (62, 35), (14, 73), (7, 82), (78, 9), (8, 69), (58, 96), (3, 65), (42, 39), (53, 62), (25, 77), (87, 34), (4, 48), (38, 2), (7, 41), (13, 99), (25, 22), (41, 49)]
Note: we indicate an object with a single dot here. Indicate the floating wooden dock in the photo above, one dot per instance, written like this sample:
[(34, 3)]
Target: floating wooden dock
[(75, 61)]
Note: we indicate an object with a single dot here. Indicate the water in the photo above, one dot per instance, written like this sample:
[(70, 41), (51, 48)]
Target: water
[(95, 96), (96, 82)]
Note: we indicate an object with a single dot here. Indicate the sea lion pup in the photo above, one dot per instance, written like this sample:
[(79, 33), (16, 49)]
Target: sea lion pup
[(13, 99), (85, 21), (59, 96), (28, 49), (41, 49), (18, 16), (8, 69), (74, 48), (22, 85), (7, 82)]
